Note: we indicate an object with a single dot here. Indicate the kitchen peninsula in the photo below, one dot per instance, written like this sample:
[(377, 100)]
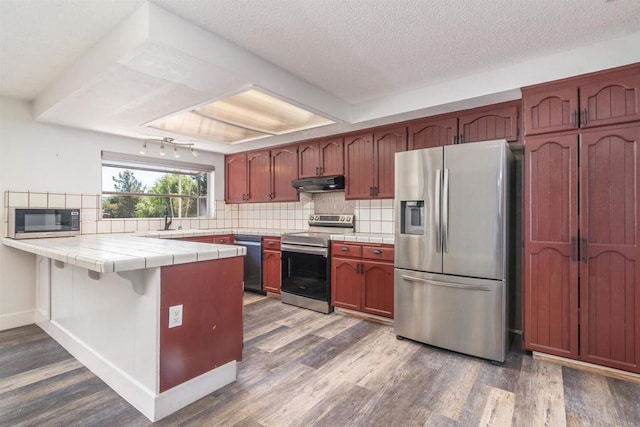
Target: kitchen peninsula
[(159, 320)]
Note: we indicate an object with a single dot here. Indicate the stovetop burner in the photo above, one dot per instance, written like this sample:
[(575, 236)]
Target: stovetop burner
[(321, 226)]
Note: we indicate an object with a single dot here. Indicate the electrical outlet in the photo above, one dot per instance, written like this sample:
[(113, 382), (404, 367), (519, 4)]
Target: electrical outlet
[(175, 316)]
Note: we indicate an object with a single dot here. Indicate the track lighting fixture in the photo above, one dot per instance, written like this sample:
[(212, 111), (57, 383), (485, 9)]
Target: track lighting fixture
[(169, 141)]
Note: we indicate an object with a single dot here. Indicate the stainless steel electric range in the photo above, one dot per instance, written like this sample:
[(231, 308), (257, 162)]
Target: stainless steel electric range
[(306, 262)]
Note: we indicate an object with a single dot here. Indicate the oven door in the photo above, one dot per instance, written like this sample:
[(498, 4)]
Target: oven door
[(305, 271)]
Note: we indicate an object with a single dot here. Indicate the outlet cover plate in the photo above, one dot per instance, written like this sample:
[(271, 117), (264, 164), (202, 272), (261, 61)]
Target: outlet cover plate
[(175, 316)]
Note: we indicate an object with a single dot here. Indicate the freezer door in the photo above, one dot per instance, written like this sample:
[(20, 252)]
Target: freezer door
[(457, 313), (473, 209), (417, 196)]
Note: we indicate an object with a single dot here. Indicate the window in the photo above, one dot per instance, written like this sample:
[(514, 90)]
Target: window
[(144, 187)]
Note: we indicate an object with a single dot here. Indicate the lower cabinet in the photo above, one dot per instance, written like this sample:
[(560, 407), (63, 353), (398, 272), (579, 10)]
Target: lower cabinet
[(271, 264), (362, 277)]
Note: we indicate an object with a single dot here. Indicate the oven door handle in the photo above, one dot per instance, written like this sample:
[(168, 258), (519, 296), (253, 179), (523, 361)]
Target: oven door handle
[(311, 250)]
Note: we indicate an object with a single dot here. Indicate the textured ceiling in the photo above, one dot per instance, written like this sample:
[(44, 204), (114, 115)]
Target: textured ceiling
[(355, 60)]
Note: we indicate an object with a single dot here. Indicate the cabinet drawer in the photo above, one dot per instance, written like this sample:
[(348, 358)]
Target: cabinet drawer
[(378, 253), (341, 249), (223, 239), (271, 243)]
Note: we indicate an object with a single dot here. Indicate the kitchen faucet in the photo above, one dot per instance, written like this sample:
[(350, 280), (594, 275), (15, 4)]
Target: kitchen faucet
[(167, 221)]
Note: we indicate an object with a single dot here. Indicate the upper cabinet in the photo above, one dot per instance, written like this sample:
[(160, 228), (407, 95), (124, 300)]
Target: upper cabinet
[(284, 169), (258, 178), (321, 158), (499, 121), (261, 176), (487, 123), (435, 132), (235, 177), (600, 99), (369, 165)]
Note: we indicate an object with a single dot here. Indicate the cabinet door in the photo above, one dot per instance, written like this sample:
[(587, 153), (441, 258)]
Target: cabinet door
[(613, 97), (378, 288), (486, 125), (550, 252), (433, 133), (235, 174), (308, 160), (331, 157), (259, 173), (387, 144), (359, 166), (550, 108), (284, 169), (610, 253), (271, 271), (346, 284)]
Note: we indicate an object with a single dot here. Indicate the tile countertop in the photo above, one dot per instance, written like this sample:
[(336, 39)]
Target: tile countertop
[(364, 238), (107, 253), (352, 237)]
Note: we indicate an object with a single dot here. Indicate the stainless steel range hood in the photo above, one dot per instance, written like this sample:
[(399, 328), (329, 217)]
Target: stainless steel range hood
[(319, 185)]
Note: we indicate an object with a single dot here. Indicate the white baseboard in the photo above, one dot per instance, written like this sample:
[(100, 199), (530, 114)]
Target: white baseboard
[(15, 320), (151, 404)]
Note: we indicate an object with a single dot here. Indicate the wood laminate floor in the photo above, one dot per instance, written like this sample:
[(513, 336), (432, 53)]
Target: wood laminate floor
[(303, 368)]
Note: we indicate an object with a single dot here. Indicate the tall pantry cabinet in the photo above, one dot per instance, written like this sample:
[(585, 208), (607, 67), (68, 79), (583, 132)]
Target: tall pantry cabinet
[(581, 218)]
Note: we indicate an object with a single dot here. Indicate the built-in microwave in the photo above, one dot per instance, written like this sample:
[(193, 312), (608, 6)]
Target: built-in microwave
[(29, 223)]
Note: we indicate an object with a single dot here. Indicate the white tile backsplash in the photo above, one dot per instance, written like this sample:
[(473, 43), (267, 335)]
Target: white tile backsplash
[(38, 200), (372, 216)]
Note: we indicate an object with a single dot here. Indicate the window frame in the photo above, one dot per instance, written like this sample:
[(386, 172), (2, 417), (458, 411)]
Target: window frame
[(124, 162)]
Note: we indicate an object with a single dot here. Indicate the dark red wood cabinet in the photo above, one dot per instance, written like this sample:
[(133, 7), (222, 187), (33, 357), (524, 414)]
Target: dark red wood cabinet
[(271, 278), (581, 214), (321, 158), (488, 123), (219, 239), (261, 176), (362, 277), (369, 163), (284, 169), (582, 257), (433, 132), (235, 174), (498, 121), (599, 99), (551, 233)]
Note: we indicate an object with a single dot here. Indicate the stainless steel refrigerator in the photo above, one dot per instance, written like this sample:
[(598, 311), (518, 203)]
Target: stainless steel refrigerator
[(451, 247)]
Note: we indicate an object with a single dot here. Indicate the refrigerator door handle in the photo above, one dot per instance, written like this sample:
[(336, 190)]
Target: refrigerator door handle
[(485, 288), (438, 213), (445, 212)]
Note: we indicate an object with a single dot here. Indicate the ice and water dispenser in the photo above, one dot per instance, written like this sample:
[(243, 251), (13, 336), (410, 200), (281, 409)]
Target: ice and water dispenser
[(412, 217)]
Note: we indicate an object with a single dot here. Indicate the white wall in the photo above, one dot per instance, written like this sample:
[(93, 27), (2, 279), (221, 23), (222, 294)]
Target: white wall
[(48, 158)]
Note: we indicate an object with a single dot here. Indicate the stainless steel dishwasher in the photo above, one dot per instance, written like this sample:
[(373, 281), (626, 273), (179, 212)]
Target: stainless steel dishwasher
[(252, 261)]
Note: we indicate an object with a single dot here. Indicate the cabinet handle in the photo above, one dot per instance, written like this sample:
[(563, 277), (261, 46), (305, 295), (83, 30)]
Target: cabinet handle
[(574, 119), (360, 269), (271, 243), (377, 251), (574, 249), (584, 117), (583, 250), (317, 170), (455, 139), (344, 249), (321, 170), (462, 138), (371, 191), (375, 191)]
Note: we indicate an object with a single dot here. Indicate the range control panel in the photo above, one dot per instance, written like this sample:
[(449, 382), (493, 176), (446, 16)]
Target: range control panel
[(346, 221)]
